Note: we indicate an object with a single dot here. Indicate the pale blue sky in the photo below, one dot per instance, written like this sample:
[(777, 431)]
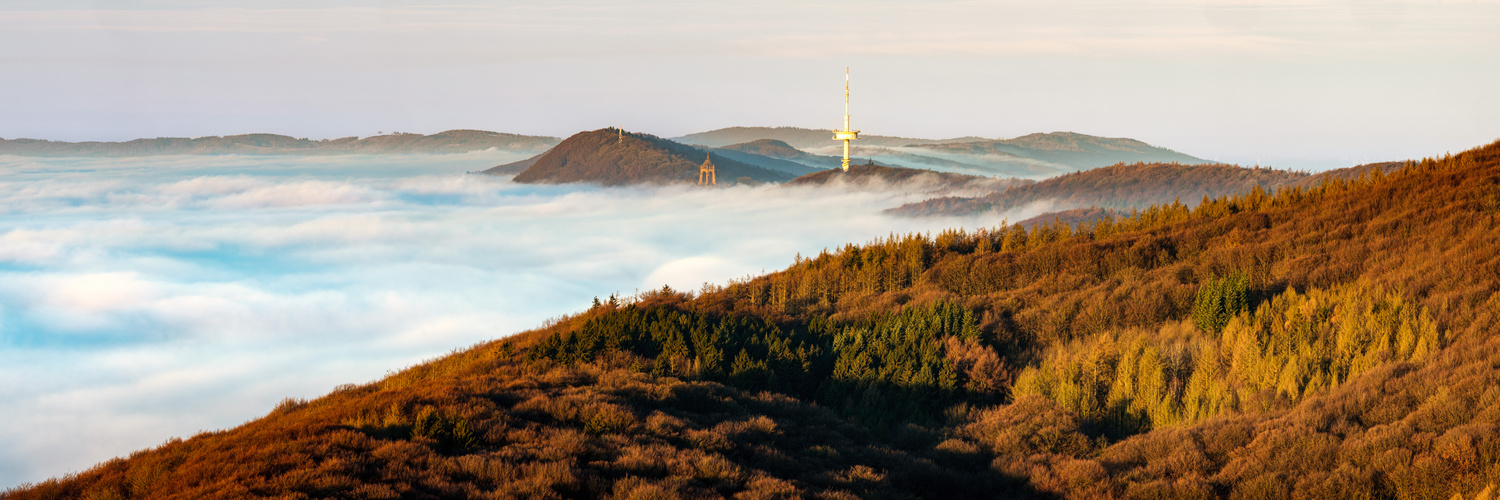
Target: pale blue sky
[(1296, 83)]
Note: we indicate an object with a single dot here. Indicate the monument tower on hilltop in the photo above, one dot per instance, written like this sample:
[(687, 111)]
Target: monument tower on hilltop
[(846, 134), (706, 174)]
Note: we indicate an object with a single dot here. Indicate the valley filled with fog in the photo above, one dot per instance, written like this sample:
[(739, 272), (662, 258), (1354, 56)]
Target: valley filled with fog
[(152, 297)]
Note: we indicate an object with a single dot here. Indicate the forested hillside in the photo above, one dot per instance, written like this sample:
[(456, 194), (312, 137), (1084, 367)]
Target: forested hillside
[(1340, 340), (1118, 187)]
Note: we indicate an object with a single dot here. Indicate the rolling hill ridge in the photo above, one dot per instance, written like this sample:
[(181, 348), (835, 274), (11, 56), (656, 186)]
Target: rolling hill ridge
[(1119, 187), (1033, 156), (452, 141)]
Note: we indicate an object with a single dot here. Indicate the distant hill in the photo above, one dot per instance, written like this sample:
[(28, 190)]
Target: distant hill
[(780, 150), (606, 157), (452, 141), (772, 148), (800, 138), (1068, 150), (766, 162), (1034, 156), (1121, 187)]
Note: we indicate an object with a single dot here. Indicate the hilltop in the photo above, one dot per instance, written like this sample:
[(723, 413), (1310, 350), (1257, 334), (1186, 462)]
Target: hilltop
[(1119, 187), (1332, 341), (452, 141), (611, 158)]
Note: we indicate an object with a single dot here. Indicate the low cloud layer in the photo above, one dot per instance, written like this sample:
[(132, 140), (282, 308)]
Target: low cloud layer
[(146, 298)]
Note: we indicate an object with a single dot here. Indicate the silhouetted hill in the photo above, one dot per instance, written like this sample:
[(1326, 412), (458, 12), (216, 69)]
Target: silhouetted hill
[(1120, 187), (1334, 341), (610, 158), (800, 138), (452, 141)]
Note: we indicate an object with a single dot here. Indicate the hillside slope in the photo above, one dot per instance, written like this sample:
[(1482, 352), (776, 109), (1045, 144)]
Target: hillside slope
[(452, 141), (612, 158), (1119, 187), (1337, 341)]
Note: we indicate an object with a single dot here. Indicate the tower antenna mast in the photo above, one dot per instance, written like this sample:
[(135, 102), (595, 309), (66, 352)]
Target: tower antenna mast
[(846, 134)]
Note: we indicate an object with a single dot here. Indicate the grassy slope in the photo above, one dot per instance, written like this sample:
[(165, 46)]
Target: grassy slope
[(1402, 429)]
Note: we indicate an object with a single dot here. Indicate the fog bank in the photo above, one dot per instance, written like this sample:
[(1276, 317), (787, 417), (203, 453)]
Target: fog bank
[(146, 298)]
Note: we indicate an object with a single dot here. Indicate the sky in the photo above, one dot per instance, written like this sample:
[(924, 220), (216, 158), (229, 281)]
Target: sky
[(1307, 84)]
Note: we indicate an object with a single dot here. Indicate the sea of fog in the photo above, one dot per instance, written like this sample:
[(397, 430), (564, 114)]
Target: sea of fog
[(147, 298)]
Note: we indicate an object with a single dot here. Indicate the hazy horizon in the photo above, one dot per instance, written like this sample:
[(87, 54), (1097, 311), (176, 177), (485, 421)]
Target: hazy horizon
[(1298, 164), (1294, 83)]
